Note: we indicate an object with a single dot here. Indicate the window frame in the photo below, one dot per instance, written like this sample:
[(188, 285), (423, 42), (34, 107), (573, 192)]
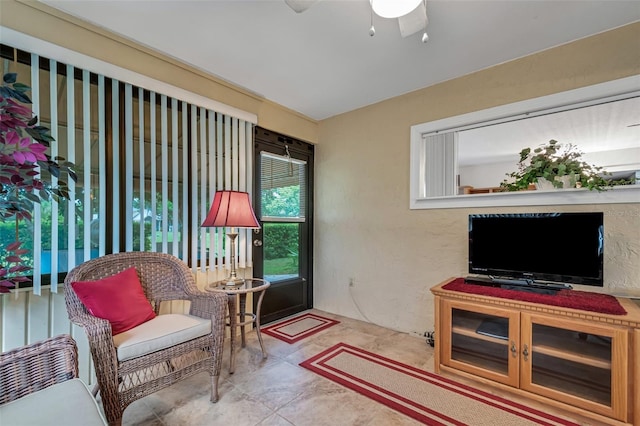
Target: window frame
[(620, 88)]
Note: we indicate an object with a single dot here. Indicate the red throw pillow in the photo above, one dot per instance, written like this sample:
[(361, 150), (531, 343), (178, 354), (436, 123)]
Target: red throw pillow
[(118, 298)]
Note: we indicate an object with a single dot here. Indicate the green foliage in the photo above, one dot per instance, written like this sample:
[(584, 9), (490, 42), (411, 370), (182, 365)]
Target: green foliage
[(281, 202), (550, 161), (147, 236), (281, 266), (280, 240), (25, 233)]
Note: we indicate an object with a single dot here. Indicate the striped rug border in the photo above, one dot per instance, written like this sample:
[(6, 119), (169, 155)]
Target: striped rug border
[(419, 412), (273, 329)]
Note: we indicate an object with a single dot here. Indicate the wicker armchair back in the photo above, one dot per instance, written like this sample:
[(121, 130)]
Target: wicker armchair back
[(163, 278), (39, 385), (34, 367)]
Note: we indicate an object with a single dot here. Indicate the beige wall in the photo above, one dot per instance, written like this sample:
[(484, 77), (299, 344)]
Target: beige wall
[(364, 227), (43, 22)]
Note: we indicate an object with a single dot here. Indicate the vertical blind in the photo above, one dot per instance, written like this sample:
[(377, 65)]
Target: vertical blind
[(440, 164), (148, 166)]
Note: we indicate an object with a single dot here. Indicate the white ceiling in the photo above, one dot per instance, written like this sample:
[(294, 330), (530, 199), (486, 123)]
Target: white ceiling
[(609, 126), (323, 62)]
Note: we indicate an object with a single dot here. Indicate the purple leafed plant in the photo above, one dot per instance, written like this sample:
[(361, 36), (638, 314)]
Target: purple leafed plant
[(23, 158)]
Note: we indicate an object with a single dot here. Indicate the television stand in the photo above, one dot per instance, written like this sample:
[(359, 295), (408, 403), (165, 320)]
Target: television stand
[(584, 362)]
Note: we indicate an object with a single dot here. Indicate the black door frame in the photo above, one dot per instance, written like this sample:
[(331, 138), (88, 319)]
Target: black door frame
[(267, 140)]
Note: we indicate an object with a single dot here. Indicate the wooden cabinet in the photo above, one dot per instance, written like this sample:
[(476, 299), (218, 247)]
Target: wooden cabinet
[(581, 361), (492, 353)]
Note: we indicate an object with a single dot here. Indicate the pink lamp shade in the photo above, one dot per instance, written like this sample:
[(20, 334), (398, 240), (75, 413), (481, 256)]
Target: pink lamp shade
[(231, 209)]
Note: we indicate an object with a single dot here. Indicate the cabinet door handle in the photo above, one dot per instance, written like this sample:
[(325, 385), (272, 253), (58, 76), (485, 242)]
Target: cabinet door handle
[(514, 350), (525, 352)]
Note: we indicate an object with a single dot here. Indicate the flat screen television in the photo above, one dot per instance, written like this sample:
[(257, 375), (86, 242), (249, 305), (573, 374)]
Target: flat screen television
[(562, 248)]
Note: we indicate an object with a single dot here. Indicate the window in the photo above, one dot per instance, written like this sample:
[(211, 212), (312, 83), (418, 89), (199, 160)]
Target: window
[(148, 165), (438, 174)]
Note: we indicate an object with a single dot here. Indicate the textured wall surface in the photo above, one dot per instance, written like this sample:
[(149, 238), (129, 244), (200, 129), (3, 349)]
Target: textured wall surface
[(365, 230)]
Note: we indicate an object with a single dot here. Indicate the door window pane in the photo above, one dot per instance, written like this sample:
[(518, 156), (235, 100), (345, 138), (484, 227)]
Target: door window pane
[(281, 251), (282, 181)]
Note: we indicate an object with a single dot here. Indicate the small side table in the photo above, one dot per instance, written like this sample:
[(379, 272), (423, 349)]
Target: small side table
[(251, 285)]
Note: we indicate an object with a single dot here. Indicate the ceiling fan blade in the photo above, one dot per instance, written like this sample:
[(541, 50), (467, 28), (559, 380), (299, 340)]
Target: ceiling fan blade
[(414, 21), (300, 6)]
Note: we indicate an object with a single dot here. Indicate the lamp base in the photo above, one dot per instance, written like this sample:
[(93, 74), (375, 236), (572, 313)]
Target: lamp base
[(232, 281)]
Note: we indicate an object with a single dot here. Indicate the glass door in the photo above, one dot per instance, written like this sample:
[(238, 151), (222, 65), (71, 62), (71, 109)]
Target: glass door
[(483, 341), (282, 250), (576, 363)]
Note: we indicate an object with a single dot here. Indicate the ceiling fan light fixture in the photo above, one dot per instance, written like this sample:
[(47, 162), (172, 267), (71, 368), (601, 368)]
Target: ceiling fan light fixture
[(414, 21), (393, 8), (300, 6)]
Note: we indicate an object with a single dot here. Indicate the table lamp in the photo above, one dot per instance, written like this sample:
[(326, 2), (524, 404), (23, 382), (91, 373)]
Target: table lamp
[(231, 209)]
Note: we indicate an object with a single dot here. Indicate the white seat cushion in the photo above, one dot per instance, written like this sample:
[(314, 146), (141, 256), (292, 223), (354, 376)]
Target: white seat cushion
[(159, 333), (68, 403)]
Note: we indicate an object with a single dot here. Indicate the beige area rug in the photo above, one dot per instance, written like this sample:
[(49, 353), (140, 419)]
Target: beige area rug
[(424, 396), (299, 327)]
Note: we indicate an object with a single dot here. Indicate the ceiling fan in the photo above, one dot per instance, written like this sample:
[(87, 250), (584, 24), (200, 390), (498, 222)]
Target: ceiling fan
[(412, 16)]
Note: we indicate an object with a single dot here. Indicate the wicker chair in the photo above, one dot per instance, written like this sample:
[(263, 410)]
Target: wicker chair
[(39, 384), (163, 278)]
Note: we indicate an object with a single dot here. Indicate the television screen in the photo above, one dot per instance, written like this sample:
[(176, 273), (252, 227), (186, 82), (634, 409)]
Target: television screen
[(554, 247)]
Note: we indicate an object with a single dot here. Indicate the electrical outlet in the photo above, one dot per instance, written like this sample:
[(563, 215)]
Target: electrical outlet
[(352, 282)]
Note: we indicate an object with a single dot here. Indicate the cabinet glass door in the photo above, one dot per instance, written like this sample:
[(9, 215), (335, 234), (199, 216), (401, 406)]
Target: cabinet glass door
[(483, 341), (575, 363)]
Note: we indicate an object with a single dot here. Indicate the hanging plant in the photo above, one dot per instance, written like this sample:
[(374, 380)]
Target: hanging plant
[(23, 157)]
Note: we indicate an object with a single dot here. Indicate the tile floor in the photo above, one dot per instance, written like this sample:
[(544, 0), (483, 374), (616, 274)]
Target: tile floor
[(277, 392)]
